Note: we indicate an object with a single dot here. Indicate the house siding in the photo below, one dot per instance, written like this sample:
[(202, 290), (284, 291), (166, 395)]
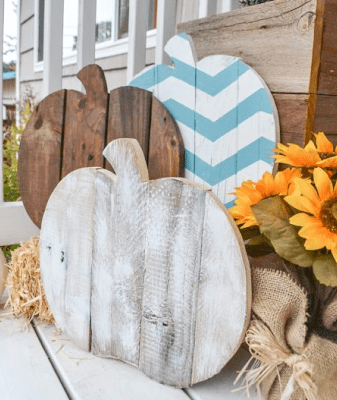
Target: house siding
[(114, 66)]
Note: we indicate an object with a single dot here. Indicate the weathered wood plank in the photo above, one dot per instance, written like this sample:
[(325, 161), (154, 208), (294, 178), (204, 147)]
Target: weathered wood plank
[(106, 232), (3, 272), (166, 151), (119, 247), (66, 253), (41, 146), (85, 122), (87, 377), (26, 372), (256, 33), (172, 263), (224, 296)]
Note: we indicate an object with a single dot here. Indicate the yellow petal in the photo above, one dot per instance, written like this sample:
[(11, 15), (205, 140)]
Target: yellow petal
[(330, 162), (301, 219), (322, 183), (308, 190), (322, 143), (303, 204), (314, 243)]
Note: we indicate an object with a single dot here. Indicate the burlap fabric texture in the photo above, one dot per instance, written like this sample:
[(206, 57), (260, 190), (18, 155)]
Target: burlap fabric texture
[(301, 316)]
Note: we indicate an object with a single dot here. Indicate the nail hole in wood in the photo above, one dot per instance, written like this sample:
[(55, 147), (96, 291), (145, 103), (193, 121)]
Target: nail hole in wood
[(90, 157), (38, 123), (81, 104)]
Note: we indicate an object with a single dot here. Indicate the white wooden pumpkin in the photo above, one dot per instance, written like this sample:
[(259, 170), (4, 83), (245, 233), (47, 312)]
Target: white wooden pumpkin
[(153, 273), (3, 272)]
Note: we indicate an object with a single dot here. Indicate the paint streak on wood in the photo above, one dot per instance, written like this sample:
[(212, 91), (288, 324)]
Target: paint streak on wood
[(170, 283), (41, 146), (69, 130)]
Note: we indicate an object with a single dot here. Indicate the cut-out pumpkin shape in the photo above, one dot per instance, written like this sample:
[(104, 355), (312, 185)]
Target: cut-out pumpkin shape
[(153, 273), (70, 129)]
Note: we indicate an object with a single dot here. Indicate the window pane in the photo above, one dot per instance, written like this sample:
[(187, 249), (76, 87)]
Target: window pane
[(70, 26), (123, 17), (41, 31), (104, 13)]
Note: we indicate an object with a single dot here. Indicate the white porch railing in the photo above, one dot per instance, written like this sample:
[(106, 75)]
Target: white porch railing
[(15, 225)]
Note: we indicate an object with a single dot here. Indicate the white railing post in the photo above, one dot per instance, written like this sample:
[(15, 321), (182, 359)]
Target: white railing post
[(227, 5), (137, 37), (52, 49), (2, 8), (86, 33), (166, 25), (17, 78), (207, 8)]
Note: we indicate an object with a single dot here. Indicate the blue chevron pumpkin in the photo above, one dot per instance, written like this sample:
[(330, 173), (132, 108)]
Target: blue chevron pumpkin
[(225, 112)]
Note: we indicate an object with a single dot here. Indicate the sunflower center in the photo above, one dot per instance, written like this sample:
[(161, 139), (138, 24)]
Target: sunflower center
[(329, 214), (324, 155)]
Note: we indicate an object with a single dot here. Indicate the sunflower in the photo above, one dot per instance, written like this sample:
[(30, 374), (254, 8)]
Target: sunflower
[(322, 154), (250, 193), (318, 218)]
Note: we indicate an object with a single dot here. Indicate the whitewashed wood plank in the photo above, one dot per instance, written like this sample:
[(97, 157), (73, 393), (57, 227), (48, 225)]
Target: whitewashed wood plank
[(207, 8), (137, 37), (52, 47), (88, 377), (66, 253), (221, 387), (86, 33), (224, 297), (3, 272), (26, 372), (224, 6), (118, 265), (16, 226), (18, 66), (166, 25), (172, 263)]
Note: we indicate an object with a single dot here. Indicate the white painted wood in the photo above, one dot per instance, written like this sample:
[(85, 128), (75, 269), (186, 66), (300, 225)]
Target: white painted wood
[(66, 253), (207, 8), (224, 6), (166, 25), (221, 387), (2, 10), (18, 68), (86, 33), (26, 372), (52, 48), (224, 296), (16, 226), (87, 377), (3, 272), (133, 248), (137, 37)]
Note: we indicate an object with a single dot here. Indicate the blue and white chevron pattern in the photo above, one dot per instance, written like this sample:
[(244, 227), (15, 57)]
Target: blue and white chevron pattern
[(225, 112)]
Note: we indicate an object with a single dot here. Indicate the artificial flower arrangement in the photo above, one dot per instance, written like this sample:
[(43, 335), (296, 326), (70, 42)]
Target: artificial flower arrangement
[(289, 224), (295, 212)]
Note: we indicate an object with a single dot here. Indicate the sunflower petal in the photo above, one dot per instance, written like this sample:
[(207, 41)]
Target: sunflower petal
[(322, 143), (303, 204), (309, 191), (322, 183), (301, 219), (314, 243)]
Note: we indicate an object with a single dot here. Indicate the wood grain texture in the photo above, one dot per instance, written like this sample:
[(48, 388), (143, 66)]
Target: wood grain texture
[(85, 122), (66, 253), (69, 130), (26, 372), (274, 38), (41, 145), (143, 244)]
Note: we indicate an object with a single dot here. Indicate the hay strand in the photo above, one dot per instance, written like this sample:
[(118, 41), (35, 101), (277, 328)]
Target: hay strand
[(25, 289)]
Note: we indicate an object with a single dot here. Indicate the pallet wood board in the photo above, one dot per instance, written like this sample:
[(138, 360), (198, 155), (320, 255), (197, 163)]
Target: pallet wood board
[(26, 372), (291, 44), (69, 130), (225, 112), (130, 267)]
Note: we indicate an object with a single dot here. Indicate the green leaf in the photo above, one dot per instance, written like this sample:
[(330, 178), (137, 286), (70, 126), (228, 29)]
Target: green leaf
[(248, 233), (272, 214), (325, 270)]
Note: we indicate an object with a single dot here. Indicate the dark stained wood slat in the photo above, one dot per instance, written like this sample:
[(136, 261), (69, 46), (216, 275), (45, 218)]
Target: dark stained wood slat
[(166, 151), (130, 116), (85, 122), (40, 154)]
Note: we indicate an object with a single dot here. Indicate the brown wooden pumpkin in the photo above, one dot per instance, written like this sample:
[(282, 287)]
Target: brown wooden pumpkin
[(69, 130), (153, 273)]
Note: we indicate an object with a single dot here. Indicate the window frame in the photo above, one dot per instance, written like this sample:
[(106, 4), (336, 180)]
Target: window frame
[(106, 49)]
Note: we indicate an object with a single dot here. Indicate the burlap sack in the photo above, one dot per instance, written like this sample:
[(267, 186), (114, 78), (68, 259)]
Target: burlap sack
[(299, 327)]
